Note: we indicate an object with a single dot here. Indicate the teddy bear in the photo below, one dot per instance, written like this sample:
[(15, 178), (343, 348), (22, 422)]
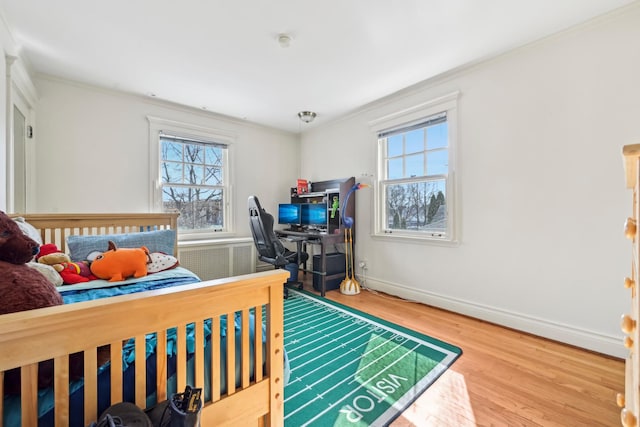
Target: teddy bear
[(22, 288), (71, 272)]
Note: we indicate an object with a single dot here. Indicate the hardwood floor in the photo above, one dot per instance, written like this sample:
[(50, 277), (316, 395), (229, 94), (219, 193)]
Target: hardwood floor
[(504, 377)]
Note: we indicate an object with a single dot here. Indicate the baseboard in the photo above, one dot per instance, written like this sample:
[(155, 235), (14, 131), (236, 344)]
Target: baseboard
[(590, 340)]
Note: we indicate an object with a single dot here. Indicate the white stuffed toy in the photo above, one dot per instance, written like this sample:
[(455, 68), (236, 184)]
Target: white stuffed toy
[(160, 262), (46, 270)]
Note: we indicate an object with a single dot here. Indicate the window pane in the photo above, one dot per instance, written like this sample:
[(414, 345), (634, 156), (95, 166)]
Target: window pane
[(438, 136), (394, 168), (196, 174), (419, 206), (213, 176), (194, 153), (172, 172), (415, 141), (394, 146), (171, 151), (415, 165), (200, 209), (438, 162), (213, 156)]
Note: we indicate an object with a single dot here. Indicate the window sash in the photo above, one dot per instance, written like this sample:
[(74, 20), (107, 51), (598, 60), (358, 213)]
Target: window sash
[(424, 214), (214, 170), (409, 155)]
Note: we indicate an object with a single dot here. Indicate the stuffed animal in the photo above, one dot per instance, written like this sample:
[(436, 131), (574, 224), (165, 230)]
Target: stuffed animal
[(22, 288), (116, 264), (71, 272), (158, 261)]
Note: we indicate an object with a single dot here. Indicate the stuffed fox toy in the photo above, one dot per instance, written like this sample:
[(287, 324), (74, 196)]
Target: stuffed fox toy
[(117, 264)]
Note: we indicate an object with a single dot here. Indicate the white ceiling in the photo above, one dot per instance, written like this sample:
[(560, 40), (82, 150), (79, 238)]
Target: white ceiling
[(224, 56)]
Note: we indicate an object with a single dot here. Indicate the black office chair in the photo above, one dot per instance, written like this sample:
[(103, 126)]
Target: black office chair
[(270, 248)]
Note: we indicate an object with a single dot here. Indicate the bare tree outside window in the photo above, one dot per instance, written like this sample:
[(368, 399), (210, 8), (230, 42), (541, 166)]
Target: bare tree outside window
[(192, 175), (417, 206)]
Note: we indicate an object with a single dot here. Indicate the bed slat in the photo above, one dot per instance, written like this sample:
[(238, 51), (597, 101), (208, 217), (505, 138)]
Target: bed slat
[(245, 347), (29, 394), (199, 354), (161, 366), (231, 354), (61, 390), (90, 385), (141, 370), (257, 339), (115, 349), (215, 360), (181, 356)]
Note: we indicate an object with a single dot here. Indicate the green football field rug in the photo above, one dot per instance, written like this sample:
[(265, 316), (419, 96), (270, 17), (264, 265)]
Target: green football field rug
[(352, 369)]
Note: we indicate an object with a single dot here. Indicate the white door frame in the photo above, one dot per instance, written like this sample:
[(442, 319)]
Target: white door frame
[(21, 95)]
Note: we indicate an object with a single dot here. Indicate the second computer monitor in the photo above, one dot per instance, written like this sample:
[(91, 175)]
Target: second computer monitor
[(314, 215)]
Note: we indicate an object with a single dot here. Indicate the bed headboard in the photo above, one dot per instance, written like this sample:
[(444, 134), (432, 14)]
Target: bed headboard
[(55, 228)]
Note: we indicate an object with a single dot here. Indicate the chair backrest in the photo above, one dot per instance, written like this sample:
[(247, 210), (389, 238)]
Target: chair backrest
[(261, 224)]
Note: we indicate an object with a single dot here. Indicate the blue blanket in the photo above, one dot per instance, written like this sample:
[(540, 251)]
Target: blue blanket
[(97, 289)]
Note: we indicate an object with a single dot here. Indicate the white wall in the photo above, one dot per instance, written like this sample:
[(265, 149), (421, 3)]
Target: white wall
[(93, 145), (542, 196)]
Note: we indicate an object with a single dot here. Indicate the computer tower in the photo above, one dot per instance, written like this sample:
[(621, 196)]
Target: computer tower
[(335, 265)]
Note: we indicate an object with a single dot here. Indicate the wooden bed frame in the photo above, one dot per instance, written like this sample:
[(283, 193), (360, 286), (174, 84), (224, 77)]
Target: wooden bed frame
[(27, 338)]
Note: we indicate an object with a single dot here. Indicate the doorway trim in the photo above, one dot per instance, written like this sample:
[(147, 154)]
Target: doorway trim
[(21, 94)]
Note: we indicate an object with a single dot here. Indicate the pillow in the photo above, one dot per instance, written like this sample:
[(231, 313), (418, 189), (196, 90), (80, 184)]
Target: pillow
[(28, 230), (47, 271), (80, 247), (160, 262)]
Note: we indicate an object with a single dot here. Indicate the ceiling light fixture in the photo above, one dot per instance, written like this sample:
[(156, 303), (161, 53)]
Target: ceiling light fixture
[(284, 40), (307, 116)]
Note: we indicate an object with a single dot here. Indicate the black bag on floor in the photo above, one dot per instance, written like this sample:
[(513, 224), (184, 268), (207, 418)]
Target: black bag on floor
[(181, 410), (123, 414)]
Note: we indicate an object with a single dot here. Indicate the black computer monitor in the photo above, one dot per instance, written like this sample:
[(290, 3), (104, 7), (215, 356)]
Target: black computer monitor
[(289, 213), (314, 214)]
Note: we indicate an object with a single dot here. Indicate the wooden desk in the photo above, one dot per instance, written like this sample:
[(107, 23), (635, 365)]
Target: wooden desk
[(322, 239)]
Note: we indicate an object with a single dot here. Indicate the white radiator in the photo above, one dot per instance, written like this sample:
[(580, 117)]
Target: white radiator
[(218, 259)]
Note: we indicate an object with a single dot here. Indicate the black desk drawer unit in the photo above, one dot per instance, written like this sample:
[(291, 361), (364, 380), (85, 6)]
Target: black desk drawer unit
[(335, 265)]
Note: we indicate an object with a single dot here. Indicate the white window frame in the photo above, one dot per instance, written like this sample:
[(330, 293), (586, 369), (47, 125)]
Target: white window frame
[(406, 118), (158, 126)]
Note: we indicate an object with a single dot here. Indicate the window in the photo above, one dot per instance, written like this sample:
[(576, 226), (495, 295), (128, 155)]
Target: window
[(415, 194), (192, 177)]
